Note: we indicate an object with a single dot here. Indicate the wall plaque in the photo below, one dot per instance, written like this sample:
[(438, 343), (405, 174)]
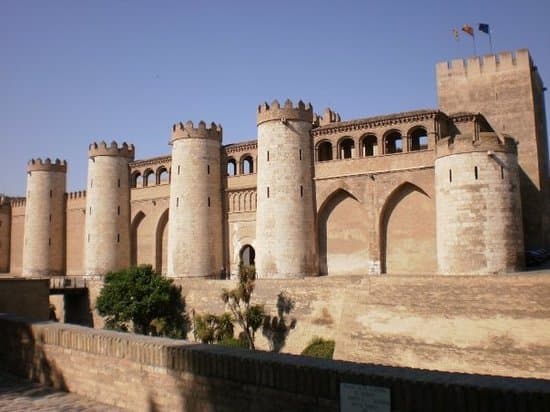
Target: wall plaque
[(364, 398)]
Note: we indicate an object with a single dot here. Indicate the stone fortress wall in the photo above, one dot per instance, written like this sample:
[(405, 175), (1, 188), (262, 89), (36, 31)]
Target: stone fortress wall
[(365, 196)]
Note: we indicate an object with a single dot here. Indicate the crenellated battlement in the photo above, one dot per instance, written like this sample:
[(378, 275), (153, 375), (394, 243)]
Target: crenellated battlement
[(76, 195), (488, 142), (329, 116), (302, 112), (47, 165), (187, 130), (18, 202), (102, 149), (489, 63)]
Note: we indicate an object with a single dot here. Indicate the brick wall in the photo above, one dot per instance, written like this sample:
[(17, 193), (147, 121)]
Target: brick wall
[(145, 373)]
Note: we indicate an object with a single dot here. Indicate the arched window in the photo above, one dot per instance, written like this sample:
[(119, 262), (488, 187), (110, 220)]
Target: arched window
[(148, 178), (418, 139), (247, 255), (162, 175), (247, 165), (324, 151), (369, 146), (347, 147), (137, 180), (393, 143), (231, 167)]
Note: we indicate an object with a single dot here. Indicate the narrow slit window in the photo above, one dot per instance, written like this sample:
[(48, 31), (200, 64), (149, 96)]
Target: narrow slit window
[(118, 210), (501, 172), (178, 169), (208, 201), (300, 154), (118, 237), (90, 211), (177, 201), (50, 218), (51, 193), (268, 155), (301, 191), (91, 182), (476, 174), (450, 175), (208, 169), (49, 241), (118, 183), (88, 237), (268, 192)]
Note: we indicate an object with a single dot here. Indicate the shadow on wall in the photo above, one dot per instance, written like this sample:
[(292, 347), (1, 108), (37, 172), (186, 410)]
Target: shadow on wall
[(22, 354), (78, 309)]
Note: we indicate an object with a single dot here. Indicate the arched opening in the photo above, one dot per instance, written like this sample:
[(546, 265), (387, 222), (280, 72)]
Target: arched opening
[(324, 151), (407, 232), (369, 146), (148, 178), (161, 243), (343, 235), (247, 256), (231, 167), (247, 165), (162, 175), (393, 143), (418, 139), (136, 241), (136, 180), (347, 147)]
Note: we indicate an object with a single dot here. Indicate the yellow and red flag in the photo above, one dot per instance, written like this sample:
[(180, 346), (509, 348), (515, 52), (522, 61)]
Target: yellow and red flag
[(468, 29)]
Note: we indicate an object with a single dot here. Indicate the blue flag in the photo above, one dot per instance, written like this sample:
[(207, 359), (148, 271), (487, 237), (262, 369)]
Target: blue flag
[(484, 28)]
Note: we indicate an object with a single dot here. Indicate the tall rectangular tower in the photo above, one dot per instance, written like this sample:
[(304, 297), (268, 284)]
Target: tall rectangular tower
[(507, 89)]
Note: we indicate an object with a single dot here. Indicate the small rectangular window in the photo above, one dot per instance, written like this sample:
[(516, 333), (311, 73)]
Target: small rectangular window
[(501, 172), (301, 191), (268, 192), (118, 182), (476, 174), (118, 237), (49, 241), (51, 193), (178, 169), (450, 175), (208, 169), (300, 154), (268, 155), (50, 218), (118, 210), (177, 201), (208, 201)]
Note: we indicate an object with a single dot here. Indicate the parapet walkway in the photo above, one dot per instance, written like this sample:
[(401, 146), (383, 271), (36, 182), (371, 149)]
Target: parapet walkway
[(19, 395)]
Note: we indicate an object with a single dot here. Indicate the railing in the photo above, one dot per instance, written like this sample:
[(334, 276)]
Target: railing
[(67, 282)]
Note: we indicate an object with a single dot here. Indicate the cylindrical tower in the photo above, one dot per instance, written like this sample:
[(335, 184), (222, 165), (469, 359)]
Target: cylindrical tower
[(285, 218), (107, 237), (478, 206), (44, 231), (195, 217), (5, 231)]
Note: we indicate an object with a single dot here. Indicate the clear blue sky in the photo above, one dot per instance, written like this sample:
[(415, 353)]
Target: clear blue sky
[(73, 72)]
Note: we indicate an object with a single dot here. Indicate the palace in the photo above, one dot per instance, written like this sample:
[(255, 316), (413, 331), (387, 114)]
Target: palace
[(460, 189)]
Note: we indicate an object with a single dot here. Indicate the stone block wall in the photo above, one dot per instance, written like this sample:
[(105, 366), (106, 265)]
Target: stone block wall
[(145, 373), (25, 297)]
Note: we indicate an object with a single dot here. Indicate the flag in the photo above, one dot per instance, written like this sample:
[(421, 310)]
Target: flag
[(484, 28), (455, 34), (468, 29)]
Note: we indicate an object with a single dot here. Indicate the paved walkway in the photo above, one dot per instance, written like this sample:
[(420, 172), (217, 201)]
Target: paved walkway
[(18, 395)]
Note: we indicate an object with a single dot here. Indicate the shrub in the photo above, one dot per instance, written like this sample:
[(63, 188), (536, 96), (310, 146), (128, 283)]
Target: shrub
[(319, 348)]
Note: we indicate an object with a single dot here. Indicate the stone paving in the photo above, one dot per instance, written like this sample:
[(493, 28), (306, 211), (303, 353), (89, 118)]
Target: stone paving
[(18, 395)]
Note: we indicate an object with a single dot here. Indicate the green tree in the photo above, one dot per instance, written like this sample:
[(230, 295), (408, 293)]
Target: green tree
[(249, 317), (141, 300), (210, 328), (320, 348)]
